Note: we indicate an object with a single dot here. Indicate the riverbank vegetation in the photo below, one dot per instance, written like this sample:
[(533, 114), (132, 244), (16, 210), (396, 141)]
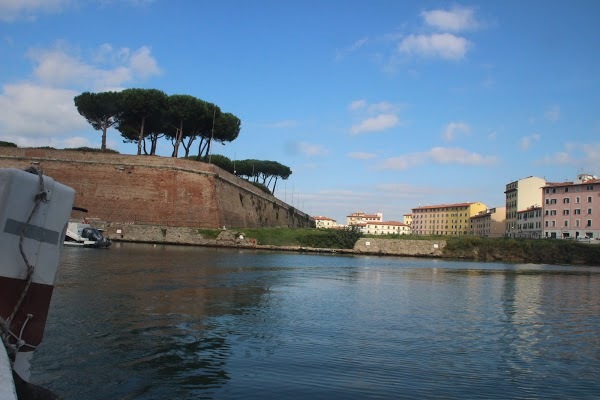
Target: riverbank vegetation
[(517, 250), (304, 237), (539, 251)]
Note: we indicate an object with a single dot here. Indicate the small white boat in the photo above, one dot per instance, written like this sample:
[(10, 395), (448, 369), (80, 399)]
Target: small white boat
[(82, 234), (34, 211)]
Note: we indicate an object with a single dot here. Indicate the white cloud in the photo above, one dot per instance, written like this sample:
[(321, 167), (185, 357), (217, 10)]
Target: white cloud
[(454, 20), (374, 117), (41, 111), (357, 45), (375, 124), (585, 156), (455, 128), (143, 64), (439, 45), (58, 67), (78, 141), (357, 105), (362, 155), (32, 110), (553, 114), (310, 149), (11, 10), (439, 155), (527, 141), (383, 107)]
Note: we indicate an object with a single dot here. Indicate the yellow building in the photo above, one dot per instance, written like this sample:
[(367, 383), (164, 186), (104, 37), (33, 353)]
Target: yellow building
[(445, 219)]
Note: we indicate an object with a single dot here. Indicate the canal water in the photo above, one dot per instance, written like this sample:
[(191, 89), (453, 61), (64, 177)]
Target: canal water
[(164, 322)]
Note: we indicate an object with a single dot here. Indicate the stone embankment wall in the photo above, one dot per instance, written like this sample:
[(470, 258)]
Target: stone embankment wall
[(413, 248), (123, 190)]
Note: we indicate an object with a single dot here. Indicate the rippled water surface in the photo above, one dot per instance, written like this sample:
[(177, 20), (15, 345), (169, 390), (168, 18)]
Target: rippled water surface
[(162, 322)]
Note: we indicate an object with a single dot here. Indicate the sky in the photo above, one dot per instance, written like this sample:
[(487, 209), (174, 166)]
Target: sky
[(378, 106)]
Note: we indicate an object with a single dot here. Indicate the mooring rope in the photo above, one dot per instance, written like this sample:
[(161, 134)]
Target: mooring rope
[(5, 324)]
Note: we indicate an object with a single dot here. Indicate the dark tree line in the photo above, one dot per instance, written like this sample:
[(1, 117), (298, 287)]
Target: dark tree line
[(261, 172), (143, 116)]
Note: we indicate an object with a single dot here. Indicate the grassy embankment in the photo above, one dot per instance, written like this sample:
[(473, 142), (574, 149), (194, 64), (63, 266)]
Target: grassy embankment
[(544, 251), (305, 237)]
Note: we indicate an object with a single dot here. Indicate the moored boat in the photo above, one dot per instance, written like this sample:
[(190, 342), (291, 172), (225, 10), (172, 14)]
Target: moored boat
[(83, 234)]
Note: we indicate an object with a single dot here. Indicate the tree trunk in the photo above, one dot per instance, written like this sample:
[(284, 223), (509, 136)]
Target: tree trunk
[(154, 139), (178, 137), (141, 137), (103, 147)]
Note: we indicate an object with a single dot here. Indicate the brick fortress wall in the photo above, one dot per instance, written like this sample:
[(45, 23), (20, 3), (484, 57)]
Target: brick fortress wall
[(152, 190)]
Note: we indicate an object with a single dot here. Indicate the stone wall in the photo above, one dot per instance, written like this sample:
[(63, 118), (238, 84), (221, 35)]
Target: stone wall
[(151, 190), (398, 247)]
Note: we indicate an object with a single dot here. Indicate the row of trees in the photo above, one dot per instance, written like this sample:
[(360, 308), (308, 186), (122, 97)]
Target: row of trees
[(149, 114), (262, 172)]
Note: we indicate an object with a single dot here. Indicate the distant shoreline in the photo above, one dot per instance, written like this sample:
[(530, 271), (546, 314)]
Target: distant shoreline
[(467, 248)]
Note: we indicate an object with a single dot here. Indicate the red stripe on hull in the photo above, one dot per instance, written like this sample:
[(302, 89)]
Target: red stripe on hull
[(36, 302)]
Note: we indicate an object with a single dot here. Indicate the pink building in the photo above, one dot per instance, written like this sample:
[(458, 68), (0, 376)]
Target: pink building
[(572, 209)]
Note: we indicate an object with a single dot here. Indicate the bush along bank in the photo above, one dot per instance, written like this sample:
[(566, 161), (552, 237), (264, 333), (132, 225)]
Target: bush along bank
[(538, 251)]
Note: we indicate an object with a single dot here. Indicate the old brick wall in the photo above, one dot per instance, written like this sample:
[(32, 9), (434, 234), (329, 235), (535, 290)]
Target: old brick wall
[(127, 189)]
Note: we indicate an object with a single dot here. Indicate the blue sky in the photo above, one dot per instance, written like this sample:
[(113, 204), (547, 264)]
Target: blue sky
[(376, 106)]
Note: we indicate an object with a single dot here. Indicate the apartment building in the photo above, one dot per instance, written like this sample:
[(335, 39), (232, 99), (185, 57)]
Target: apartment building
[(407, 218), (520, 195), (572, 209), (529, 223), (360, 217), (325, 222), (445, 219), (489, 223), (386, 228)]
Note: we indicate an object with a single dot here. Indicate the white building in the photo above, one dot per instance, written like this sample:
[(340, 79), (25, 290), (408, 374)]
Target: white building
[(521, 195), (360, 217), (386, 228), (325, 222)]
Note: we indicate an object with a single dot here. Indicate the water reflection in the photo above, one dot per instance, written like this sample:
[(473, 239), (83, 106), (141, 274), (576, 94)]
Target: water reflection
[(156, 322)]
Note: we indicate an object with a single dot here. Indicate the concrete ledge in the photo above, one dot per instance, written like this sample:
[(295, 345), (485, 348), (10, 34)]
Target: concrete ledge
[(400, 247)]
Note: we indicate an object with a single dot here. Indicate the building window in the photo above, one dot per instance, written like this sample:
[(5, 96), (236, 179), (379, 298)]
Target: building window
[(566, 189), (589, 222), (577, 200), (589, 199), (577, 222), (553, 223), (589, 187), (566, 200), (577, 211), (565, 212), (589, 211), (566, 223)]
